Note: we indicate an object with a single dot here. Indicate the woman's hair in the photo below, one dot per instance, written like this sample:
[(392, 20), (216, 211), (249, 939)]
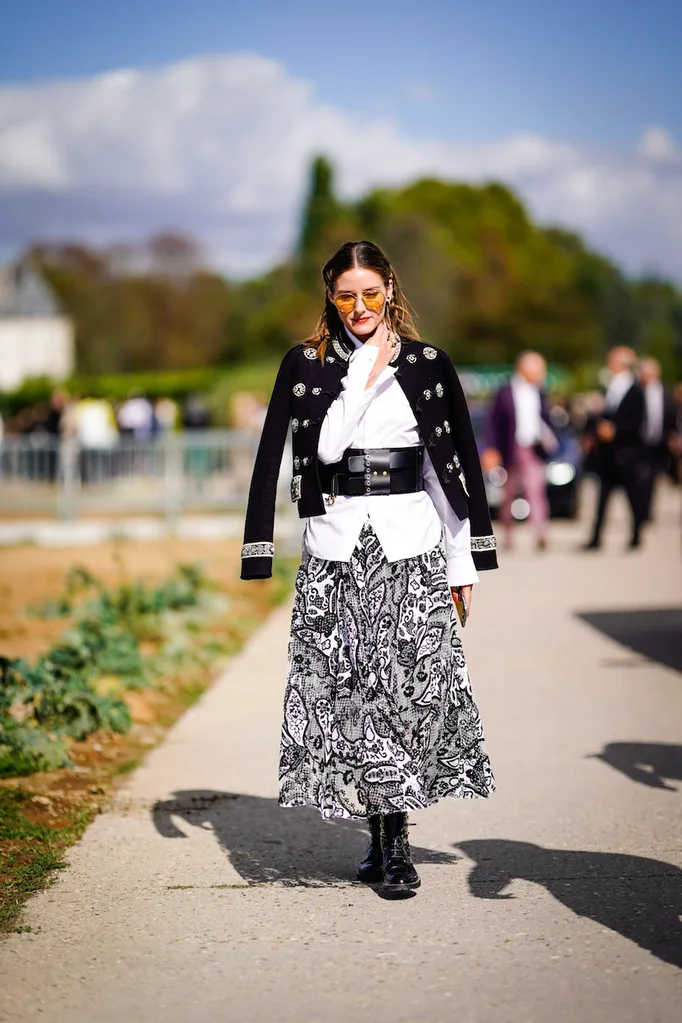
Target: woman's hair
[(370, 257)]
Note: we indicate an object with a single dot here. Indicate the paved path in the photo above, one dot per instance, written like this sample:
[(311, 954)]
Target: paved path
[(197, 899)]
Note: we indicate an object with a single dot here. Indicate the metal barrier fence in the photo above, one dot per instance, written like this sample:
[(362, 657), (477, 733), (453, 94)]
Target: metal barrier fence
[(170, 474)]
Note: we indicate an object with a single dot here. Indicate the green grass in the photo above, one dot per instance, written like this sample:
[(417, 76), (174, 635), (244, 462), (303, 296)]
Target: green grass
[(30, 852), (127, 767)]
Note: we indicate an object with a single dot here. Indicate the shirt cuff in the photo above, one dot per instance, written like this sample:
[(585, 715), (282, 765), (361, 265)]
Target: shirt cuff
[(461, 570)]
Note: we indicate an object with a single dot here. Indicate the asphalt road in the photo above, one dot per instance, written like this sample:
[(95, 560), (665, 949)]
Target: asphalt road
[(558, 900)]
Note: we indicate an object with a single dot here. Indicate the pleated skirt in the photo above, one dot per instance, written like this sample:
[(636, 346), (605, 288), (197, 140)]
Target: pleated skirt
[(379, 714)]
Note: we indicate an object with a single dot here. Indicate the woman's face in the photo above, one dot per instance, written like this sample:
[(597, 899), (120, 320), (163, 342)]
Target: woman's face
[(360, 297)]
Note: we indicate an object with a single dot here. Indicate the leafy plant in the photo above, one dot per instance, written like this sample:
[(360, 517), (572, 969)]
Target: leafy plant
[(58, 698)]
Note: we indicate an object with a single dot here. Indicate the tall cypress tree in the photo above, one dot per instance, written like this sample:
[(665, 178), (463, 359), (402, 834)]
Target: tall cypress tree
[(320, 213)]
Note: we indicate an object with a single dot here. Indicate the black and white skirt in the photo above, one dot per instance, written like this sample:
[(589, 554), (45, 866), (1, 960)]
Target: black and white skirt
[(379, 715)]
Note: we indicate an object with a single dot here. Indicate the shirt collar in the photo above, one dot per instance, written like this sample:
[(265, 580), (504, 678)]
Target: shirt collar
[(352, 338), (519, 381)]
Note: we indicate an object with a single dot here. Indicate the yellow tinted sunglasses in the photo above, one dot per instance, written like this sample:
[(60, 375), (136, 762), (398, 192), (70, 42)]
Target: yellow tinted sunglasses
[(373, 299)]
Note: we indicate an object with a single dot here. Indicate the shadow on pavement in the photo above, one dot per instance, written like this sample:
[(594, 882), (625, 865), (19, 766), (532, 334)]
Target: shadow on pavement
[(649, 763), (655, 632), (266, 843), (636, 897)]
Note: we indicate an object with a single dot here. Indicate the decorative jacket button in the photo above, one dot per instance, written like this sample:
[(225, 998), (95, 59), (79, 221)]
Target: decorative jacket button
[(446, 425), (305, 424), (427, 394), (411, 358), (439, 390), (430, 353), (299, 390), (294, 425), (317, 390), (310, 353)]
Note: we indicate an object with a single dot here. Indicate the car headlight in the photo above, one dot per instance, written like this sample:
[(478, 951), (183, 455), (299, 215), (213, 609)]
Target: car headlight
[(560, 473)]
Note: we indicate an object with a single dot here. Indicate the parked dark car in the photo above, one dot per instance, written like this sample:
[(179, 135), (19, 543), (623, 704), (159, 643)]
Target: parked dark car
[(563, 473)]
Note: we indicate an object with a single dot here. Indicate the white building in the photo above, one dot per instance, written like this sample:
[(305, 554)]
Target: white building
[(35, 339)]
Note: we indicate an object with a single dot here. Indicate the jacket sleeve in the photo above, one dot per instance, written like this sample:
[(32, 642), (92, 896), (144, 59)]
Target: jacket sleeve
[(483, 541), (258, 549), (461, 568)]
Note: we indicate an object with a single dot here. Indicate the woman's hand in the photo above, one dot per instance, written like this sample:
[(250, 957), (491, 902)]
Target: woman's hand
[(466, 591), (384, 341)]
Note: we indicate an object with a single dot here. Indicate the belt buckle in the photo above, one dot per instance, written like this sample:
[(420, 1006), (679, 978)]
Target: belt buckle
[(330, 499)]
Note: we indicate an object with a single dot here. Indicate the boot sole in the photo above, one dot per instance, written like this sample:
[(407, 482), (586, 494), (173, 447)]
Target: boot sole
[(408, 886)]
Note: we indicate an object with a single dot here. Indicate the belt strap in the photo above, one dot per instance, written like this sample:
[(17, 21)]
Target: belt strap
[(374, 471)]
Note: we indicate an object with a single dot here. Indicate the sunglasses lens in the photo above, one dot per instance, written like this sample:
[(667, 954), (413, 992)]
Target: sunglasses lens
[(374, 300)]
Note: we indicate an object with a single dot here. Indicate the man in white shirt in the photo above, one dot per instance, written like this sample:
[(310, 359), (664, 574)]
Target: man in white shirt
[(519, 437)]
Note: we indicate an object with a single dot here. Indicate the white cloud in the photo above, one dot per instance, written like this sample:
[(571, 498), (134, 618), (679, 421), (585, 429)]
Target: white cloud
[(220, 146)]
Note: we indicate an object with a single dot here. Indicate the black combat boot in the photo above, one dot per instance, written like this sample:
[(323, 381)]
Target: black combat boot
[(371, 869), (399, 873)]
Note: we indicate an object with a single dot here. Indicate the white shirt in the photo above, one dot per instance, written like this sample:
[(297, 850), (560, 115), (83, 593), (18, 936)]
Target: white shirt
[(617, 389), (406, 524), (527, 410), (653, 424)]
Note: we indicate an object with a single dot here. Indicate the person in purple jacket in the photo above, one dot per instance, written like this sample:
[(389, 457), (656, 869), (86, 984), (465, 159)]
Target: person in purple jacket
[(519, 437)]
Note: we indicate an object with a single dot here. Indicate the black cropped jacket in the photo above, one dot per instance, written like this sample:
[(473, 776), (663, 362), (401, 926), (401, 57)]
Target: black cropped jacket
[(304, 390)]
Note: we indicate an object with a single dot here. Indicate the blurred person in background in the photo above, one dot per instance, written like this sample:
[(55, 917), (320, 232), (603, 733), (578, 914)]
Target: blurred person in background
[(519, 437), (388, 479), (136, 416), (165, 415), (615, 443), (93, 424), (660, 427), (676, 441), (197, 414), (52, 425)]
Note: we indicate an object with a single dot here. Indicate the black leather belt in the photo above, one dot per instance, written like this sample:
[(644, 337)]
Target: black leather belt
[(369, 471)]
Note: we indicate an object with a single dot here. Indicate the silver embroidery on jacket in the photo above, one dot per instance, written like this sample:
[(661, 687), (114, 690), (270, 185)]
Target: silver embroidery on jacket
[(483, 543), (296, 488), (262, 549)]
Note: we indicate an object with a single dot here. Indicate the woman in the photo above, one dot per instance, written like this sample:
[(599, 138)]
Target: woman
[(379, 717)]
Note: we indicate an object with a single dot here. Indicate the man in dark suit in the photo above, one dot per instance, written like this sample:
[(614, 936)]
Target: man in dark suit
[(660, 427), (615, 440), (519, 437)]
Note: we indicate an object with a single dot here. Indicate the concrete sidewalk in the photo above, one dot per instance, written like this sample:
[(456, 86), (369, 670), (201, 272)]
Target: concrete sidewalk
[(197, 898)]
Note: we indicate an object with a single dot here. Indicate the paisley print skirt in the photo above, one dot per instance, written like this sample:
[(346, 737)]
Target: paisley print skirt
[(378, 710)]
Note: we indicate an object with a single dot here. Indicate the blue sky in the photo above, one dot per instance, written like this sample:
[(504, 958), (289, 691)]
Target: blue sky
[(592, 70), (576, 105)]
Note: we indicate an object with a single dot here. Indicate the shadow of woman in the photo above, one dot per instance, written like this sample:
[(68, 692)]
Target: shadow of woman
[(266, 844), (649, 763), (637, 897)]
